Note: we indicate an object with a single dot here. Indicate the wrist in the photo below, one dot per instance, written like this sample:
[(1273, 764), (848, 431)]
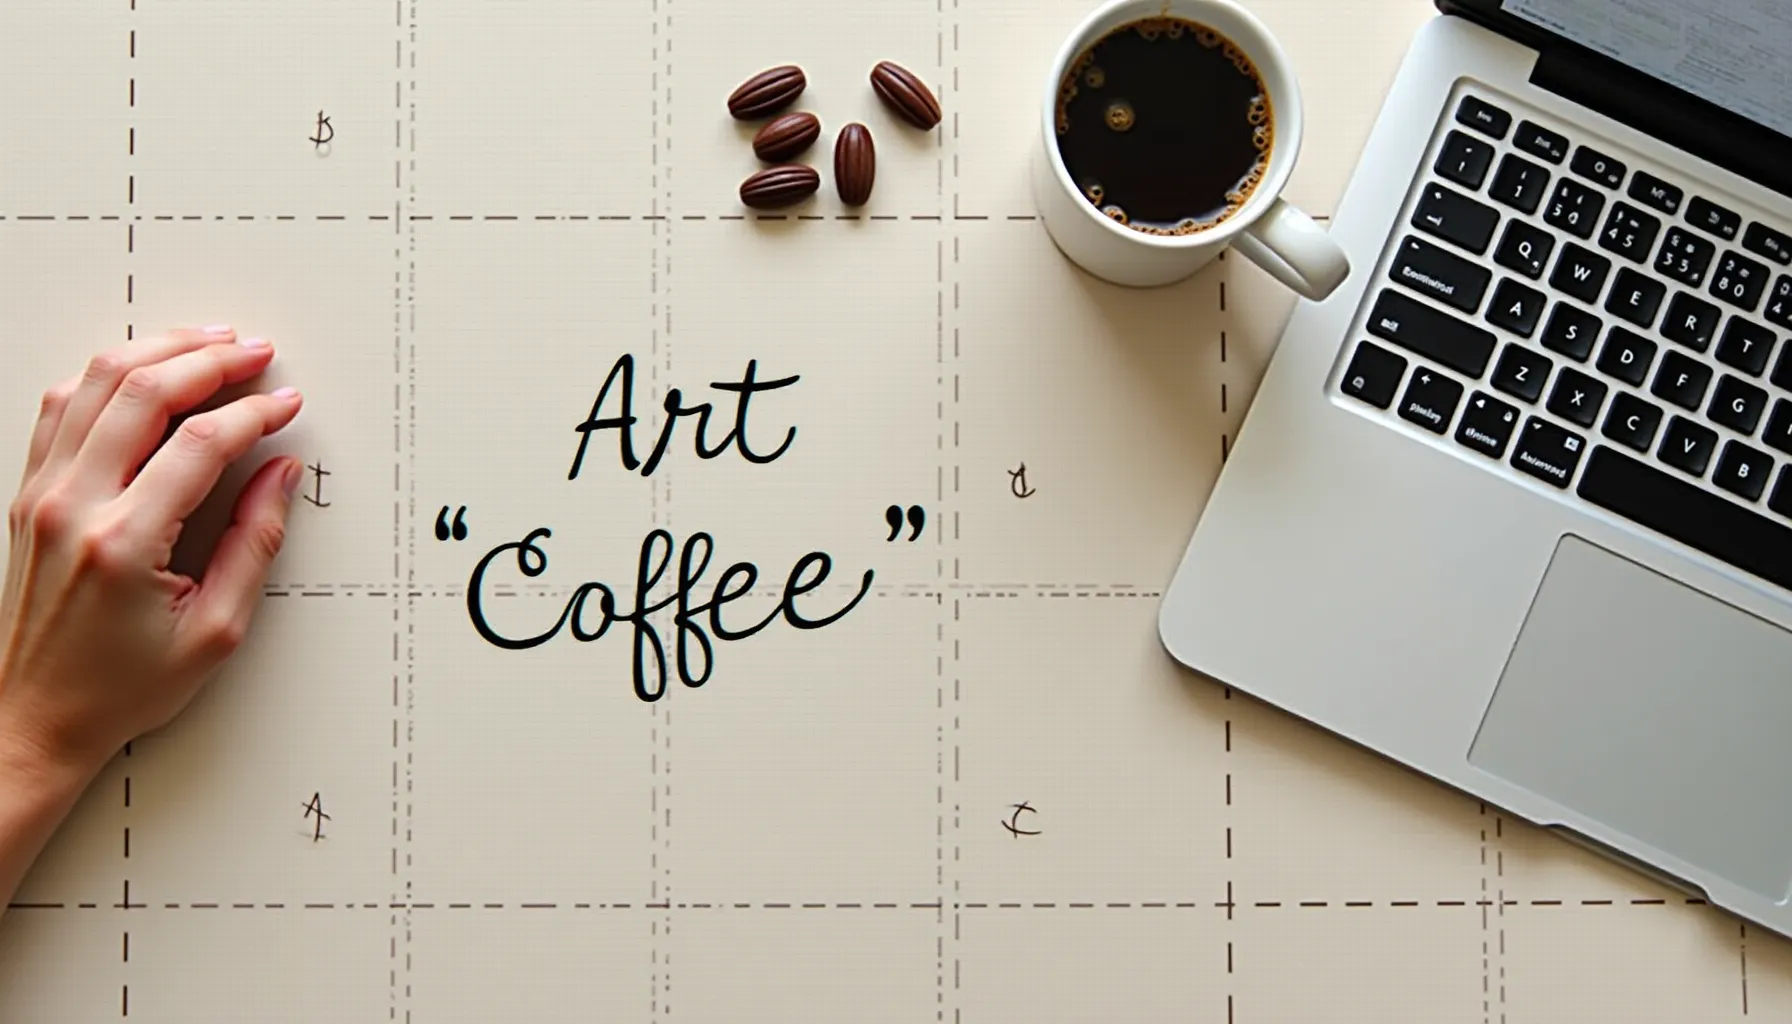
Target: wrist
[(34, 766)]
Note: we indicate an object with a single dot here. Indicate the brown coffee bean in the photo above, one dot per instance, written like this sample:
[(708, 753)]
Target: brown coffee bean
[(784, 185), (906, 95), (855, 164), (767, 92), (785, 137)]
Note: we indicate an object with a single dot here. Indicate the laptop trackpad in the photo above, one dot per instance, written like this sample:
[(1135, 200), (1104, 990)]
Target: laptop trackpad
[(1654, 709)]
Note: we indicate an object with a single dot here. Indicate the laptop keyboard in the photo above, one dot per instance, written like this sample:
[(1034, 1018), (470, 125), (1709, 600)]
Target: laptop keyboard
[(1595, 325)]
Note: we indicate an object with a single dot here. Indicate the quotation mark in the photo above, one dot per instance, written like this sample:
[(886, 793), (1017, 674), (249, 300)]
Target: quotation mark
[(916, 519), (458, 530)]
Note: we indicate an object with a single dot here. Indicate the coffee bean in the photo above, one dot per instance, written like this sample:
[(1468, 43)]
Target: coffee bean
[(767, 92), (784, 185), (905, 94), (785, 137), (855, 164)]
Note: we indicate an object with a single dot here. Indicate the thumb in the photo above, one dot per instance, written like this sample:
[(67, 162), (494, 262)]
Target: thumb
[(231, 589)]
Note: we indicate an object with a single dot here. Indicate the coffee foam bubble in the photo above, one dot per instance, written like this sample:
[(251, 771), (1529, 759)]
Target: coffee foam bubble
[(1236, 198)]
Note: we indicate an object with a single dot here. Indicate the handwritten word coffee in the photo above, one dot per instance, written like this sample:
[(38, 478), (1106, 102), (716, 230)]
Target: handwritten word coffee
[(697, 619)]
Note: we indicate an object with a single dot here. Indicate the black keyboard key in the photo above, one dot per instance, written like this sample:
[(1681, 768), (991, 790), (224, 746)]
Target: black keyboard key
[(1782, 370), (1431, 333), (1685, 256), (1711, 218), (1779, 304), (1574, 208), (1524, 248), (1548, 452), (1516, 307), (1521, 372), (1691, 321), (1689, 514), (1765, 242), (1635, 298), (1577, 397), (1540, 142), (1483, 117), (1778, 434), (1487, 425), (1626, 356), (1629, 232), (1743, 471), (1652, 192), (1596, 166), (1737, 404), (1432, 270), (1571, 331), (1739, 281), (1454, 217), (1681, 380), (1464, 160), (1430, 399), (1519, 183), (1632, 421), (1687, 446), (1374, 374), (1746, 346), (1580, 272), (1781, 498)]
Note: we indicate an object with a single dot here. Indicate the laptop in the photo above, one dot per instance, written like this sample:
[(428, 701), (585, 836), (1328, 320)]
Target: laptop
[(1513, 507)]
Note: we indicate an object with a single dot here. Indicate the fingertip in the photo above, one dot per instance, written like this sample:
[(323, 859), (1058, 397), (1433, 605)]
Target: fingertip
[(287, 402), (290, 477)]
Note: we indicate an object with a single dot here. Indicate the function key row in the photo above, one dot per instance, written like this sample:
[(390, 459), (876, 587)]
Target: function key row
[(1645, 188)]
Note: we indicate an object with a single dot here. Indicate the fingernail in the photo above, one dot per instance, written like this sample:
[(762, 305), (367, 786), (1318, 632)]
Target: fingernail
[(218, 330), (254, 342), (287, 393), (290, 482)]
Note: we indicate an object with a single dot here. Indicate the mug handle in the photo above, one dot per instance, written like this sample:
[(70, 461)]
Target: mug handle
[(1295, 251)]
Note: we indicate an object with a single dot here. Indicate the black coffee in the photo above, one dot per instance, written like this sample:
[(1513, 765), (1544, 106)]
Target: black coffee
[(1165, 125)]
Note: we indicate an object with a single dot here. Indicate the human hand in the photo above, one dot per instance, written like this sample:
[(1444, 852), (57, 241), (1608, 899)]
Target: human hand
[(99, 641)]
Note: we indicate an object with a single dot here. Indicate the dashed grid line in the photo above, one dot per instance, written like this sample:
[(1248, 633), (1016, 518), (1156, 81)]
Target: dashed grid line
[(130, 331), (405, 185), (661, 272), (138, 904), (951, 628)]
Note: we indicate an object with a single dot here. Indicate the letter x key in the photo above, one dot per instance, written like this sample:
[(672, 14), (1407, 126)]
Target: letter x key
[(1577, 397)]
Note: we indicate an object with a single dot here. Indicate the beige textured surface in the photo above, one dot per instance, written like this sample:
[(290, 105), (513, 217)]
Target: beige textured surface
[(521, 192)]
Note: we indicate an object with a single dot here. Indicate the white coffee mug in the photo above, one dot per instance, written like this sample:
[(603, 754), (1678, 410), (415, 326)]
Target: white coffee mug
[(1272, 233)]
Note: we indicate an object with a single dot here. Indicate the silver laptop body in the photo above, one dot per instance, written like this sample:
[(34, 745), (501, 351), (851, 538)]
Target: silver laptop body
[(1514, 506)]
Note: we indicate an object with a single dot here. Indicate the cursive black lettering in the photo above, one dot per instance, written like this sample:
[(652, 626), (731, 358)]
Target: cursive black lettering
[(625, 367), (624, 421), (687, 578), (795, 586), (646, 636), (747, 388), (524, 549), (723, 595), (694, 654)]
